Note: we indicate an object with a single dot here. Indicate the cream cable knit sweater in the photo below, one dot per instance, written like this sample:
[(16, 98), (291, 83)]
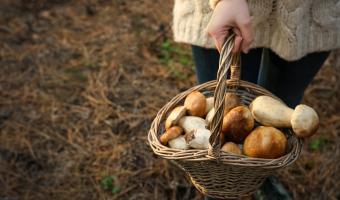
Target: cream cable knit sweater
[(291, 28)]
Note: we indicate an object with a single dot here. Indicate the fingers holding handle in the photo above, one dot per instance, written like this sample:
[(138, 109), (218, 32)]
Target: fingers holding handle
[(231, 15)]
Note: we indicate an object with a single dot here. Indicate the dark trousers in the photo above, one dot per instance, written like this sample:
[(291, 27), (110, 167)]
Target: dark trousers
[(286, 79)]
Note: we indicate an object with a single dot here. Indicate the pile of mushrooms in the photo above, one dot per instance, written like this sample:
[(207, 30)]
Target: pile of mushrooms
[(186, 125)]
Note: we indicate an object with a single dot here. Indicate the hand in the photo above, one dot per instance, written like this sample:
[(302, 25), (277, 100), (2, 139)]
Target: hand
[(231, 15)]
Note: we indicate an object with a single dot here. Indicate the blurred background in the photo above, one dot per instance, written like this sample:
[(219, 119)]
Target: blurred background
[(80, 83)]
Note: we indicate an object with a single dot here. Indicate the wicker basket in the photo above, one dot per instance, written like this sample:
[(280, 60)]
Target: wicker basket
[(214, 173)]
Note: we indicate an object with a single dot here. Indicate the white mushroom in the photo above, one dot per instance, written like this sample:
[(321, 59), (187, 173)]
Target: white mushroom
[(190, 123), (271, 112), (198, 138), (305, 121), (179, 143)]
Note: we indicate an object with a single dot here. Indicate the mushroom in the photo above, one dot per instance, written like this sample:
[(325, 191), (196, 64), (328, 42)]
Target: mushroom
[(231, 101), (175, 115), (271, 112), (209, 104), (305, 121), (198, 138), (237, 124), (178, 143), (190, 123), (210, 115), (195, 103), (170, 134), (231, 148), (265, 142)]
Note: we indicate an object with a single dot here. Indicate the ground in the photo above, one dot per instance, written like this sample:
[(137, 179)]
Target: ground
[(80, 83)]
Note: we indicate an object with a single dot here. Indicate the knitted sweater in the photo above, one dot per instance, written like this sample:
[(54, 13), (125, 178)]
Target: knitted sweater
[(291, 28)]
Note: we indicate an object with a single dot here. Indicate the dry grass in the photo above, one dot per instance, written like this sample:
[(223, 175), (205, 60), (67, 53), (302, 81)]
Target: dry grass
[(80, 83)]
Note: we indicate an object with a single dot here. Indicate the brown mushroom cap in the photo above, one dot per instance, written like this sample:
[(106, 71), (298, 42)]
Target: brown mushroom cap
[(265, 142), (237, 124), (170, 134), (195, 104), (231, 101), (305, 121), (232, 148), (175, 115)]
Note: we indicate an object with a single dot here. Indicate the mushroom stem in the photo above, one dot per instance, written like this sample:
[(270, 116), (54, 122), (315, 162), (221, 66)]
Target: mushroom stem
[(209, 104), (210, 116), (271, 112), (170, 134)]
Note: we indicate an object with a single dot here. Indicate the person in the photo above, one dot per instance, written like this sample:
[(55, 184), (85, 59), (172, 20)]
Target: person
[(283, 44)]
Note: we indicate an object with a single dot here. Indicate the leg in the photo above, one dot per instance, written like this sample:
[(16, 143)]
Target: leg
[(294, 76), (287, 80), (250, 65), (206, 61)]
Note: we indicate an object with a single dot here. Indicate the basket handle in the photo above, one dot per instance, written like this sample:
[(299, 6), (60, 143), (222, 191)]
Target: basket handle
[(228, 60)]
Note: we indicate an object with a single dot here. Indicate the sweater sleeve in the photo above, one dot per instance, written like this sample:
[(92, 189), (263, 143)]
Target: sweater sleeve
[(213, 3)]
